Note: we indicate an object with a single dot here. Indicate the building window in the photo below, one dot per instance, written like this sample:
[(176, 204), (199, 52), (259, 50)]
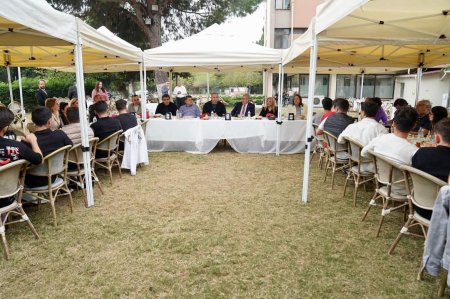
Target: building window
[(282, 4), (402, 89), (349, 86), (322, 83), (282, 38)]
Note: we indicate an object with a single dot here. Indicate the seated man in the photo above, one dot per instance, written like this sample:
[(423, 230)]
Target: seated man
[(96, 99), (105, 125), (126, 119), (214, 106), (12, 150), (423, 109), (135, 105), (166, 106), (73, 129), (48, 140), (395, 145), (435, 160), (365, 130), (189, 109), (327, 104), (242, 108)]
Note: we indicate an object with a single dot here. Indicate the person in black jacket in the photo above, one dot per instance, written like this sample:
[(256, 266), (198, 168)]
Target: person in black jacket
[(42, 94), (166, 106), (214, 105)]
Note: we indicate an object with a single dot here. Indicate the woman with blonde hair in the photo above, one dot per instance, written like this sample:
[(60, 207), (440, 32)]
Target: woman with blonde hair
[(99, 90), (270, 109), (56, 121)]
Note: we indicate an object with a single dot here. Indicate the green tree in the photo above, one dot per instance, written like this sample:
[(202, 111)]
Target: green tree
[(145, 23)]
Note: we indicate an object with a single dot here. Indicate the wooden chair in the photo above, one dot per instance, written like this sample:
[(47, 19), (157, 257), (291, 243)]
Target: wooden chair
[(54, 164), (358, 167), (109, 146), (387, 174), (333, 162), (318, 147), (11, 184), (425, 189), (76, 159)]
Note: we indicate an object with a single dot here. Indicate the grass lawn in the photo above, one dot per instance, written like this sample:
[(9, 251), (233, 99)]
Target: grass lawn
[(213, 226)]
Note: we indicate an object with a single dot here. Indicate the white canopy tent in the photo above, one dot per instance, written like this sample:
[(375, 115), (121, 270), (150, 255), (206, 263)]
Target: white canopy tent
[(365, 34), (34, 34)]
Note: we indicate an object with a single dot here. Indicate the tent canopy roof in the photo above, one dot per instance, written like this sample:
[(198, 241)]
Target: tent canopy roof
[(212, 50), (379, 33)]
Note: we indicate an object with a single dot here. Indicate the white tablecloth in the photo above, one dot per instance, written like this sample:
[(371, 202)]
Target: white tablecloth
[(244, 136)]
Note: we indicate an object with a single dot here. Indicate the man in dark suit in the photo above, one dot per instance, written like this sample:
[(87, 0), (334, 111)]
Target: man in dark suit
[(42, 94), (214, 106), (243, 108)]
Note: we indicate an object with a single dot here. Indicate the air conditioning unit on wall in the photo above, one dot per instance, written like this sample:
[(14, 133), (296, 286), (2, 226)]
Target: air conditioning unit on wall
[(317, 101)]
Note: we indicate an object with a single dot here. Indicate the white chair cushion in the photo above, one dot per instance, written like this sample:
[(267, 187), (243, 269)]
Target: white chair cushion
[(56, 184)]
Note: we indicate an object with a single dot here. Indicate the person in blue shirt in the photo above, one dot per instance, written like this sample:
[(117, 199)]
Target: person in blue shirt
[(189, 109)]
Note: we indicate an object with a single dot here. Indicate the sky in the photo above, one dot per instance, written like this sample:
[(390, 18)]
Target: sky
[(250, 27)]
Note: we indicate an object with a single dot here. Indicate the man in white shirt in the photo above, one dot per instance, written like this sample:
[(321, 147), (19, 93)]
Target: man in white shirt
[(395, 145), (180, 92), (365, 130)]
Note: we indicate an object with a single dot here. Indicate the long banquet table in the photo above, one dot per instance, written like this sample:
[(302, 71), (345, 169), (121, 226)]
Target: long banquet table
[(244, 135)]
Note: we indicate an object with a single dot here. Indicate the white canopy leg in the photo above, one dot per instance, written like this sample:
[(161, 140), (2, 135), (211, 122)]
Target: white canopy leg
[(280, 103), (143, 97), (11, 97), (83, 122), (22, 108), (309, 137)]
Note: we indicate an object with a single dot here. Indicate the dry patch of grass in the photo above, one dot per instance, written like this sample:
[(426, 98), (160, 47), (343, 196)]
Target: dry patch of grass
[(213, 226)]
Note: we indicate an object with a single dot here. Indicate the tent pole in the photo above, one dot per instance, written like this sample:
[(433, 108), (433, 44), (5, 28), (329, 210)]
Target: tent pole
[(22, 109), (8, 71), (362, 85), (170, 83), (280, 100), (143, 97), (83, 120), (418, 81), (207, 86), (311, 86)]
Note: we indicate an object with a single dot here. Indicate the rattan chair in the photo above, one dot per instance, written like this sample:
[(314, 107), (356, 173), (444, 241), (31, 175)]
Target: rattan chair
[(387, 174), (76, 159), (358, 167), (318, 147), (423, 193), (333, 162), (54, 164), (110, 146), (11, 184)]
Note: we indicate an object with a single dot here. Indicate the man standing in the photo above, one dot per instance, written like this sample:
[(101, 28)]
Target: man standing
[(180, 92), (242, 108), (214, 106), (42, 94)]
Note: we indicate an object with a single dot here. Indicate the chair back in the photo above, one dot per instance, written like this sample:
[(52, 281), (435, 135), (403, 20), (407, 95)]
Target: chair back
[(317, 137), (110, 143), (53, 164), (387, 171), (76, 155), (425, 187), (354, 150), (332, 143), (93, 146), (11, 178)]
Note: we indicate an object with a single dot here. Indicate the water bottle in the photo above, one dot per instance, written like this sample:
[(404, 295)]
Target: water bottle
[(178, 113), (420, 134), (94, 119), (249, 115)]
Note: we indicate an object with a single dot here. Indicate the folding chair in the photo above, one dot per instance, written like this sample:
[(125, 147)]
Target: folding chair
[(318, 147), (358, 167), (332, 157), (110, 146), (76, 158), (387, 174), (423, 195), (11, 184), (54, 164)]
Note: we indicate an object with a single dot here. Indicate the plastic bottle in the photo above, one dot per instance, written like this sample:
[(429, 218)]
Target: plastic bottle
[(249, 115), (420, 134)]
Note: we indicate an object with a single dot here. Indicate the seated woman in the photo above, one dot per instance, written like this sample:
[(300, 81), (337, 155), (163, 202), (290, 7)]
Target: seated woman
[(270, 108), (298, 108), (56, 120), (189, 109)]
